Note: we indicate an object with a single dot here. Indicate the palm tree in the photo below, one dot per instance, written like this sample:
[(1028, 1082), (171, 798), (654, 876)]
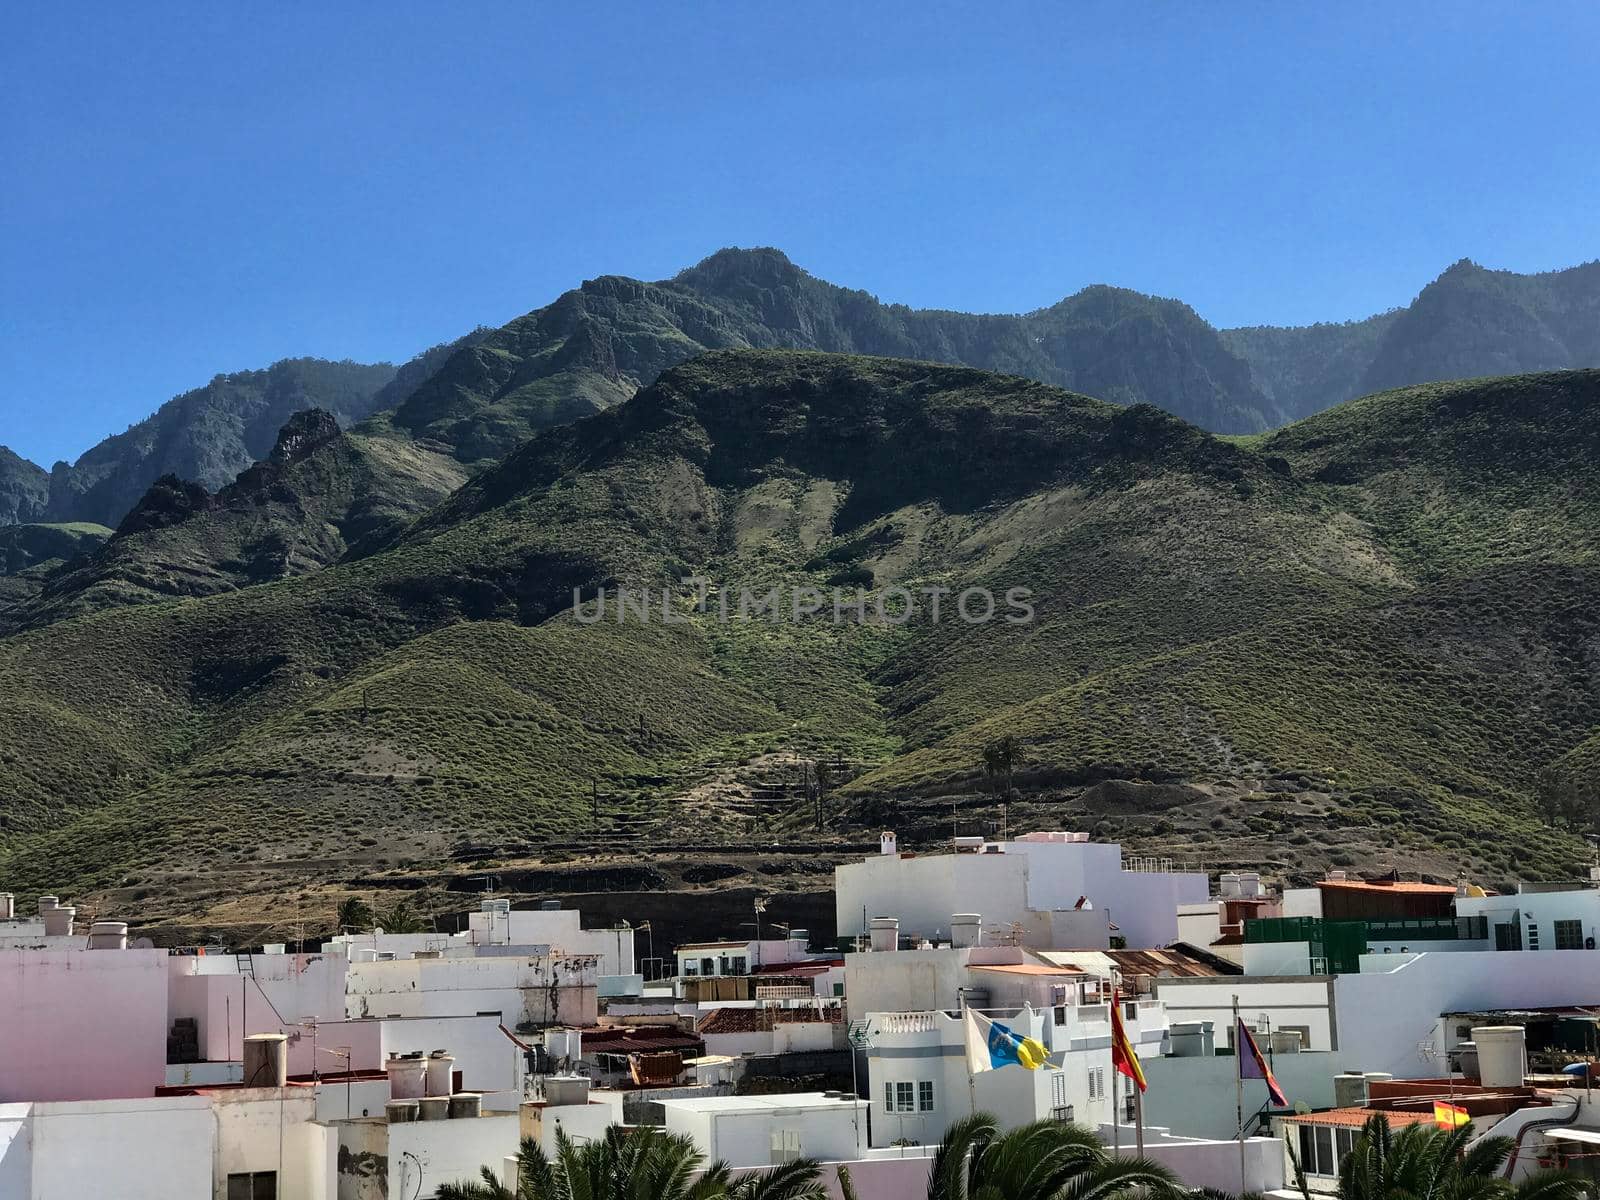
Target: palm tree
[(635, 1164), (1424, 1162), (401, 918), (1000, 759), (1046, 1160), (354, 913)]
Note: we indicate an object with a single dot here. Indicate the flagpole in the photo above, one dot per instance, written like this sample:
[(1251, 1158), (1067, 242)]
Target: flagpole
[(1116, 1090), (1138, 1118), (1238, 1091)]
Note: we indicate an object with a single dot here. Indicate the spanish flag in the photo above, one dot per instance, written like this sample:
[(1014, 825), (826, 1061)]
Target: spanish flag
[(1448, 1116), (1123, 1058)]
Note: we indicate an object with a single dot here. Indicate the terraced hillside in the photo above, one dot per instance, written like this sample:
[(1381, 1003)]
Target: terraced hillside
[(1366, 636)]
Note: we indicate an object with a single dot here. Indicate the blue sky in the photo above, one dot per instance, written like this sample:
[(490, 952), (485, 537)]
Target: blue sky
[(191, 189)]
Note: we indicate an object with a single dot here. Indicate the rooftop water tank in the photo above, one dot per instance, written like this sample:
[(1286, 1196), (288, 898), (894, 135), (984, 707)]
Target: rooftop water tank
[(1502, 1055), (885, 933), (433, 1108), (566, 1089), (266, 1060), (440, 1065), (466, 1104), (108, 935), (400, 1111), (966, 929), (407, 1077), (58, 920)]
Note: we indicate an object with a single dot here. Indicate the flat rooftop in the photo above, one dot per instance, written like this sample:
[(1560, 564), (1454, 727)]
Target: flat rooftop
[(756, 1104)]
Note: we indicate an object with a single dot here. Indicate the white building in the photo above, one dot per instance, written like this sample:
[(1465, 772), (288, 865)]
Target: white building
[(764, 1131), (522, 991), (215, 1143), (1045, 890)]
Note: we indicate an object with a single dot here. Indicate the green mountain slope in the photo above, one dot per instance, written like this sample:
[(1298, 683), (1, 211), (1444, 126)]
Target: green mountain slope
[(1291, 634), (320, 494), (29, 554)]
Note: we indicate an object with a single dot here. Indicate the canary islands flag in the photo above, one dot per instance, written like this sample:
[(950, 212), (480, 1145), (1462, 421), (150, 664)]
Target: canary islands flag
[(991, 1045), (1448, 1116)]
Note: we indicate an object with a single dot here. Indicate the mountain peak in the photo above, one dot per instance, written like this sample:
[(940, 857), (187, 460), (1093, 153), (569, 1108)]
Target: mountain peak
[(765, 266), (302, 433)]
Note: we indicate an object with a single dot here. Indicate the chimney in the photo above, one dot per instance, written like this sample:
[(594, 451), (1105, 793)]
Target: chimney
[(966, 929), (266, 1060), (886, 843), (885, 933)]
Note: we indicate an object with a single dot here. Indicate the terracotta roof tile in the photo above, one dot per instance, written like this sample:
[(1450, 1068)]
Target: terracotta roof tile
[(1354, 1118)]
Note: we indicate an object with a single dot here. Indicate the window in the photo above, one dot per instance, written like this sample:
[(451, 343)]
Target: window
[(907, 1096), (1097, 1083), (737, 964), (785, 1146), (1130, 1010), (1060, 1110), (1061, 1014), (1569, 935), (1317, 1150), (260, 1185), (1505, 937), (1533, 936), (1130, 1107), (691, 967)]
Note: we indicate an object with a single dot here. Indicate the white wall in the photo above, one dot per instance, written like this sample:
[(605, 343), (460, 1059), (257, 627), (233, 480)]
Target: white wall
[(1304, 1001), (425, 1154), (152, 1149), (924, 890), (489, 1061), (1383, 1017), (739, 1130), (515, 988), (82, 1024), (1215, 1164), (1184, 1092), (259, 1129)]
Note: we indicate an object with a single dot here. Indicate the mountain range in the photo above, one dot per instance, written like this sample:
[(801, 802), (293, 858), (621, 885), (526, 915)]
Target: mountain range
[(1367, 637), (478, 397)]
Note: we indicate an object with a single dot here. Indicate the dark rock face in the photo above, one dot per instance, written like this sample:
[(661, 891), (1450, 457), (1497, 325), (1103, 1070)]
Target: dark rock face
[(24, 489), (168, 501)]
